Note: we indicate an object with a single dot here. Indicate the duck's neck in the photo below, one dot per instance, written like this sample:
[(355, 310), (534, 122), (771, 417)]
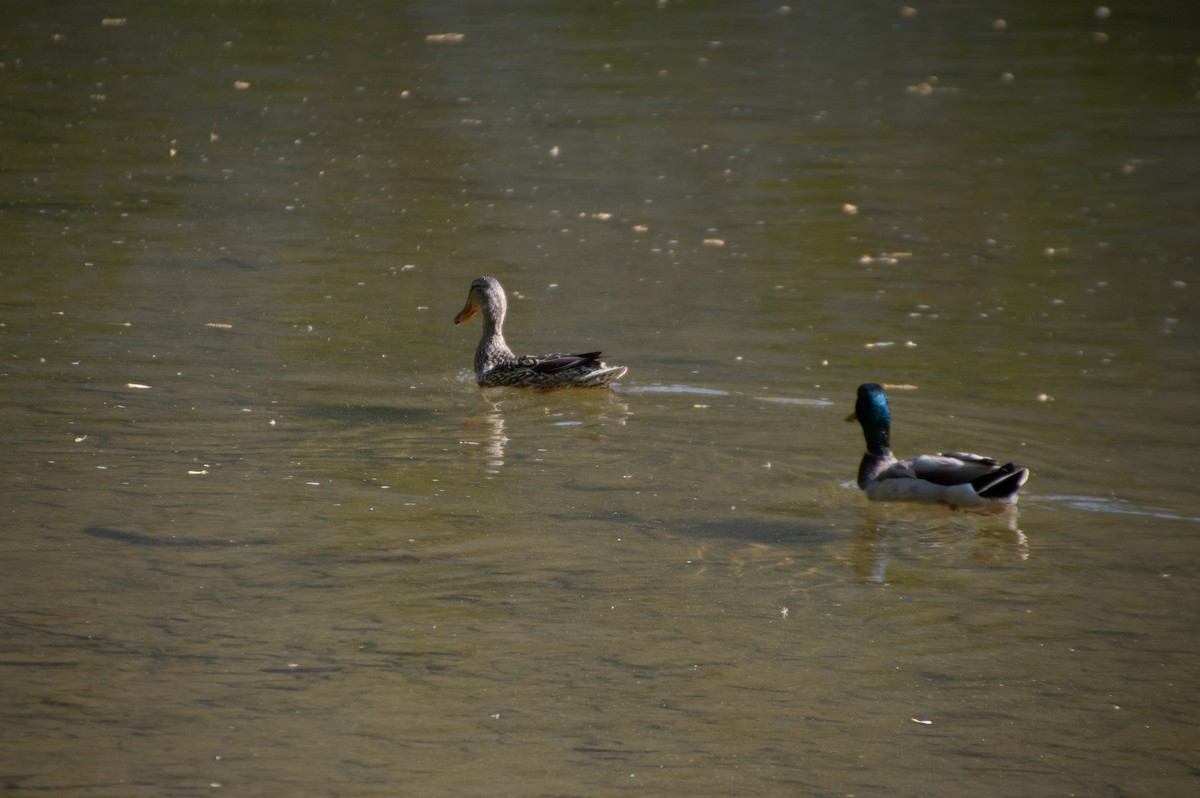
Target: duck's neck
[(878, 437), (878, 457), (492, 347)]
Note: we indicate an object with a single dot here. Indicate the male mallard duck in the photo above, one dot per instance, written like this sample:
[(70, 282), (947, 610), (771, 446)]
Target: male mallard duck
[(957, 479), (497, 366)]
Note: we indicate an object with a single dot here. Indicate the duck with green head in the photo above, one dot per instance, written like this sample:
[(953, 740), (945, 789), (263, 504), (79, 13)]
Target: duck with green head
[(956, 479), (496, 366)]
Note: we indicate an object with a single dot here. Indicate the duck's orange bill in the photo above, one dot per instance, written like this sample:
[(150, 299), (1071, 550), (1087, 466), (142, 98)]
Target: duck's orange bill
[(465, 313)]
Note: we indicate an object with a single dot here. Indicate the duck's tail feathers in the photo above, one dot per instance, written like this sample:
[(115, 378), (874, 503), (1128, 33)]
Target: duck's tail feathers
[(1003, 483), (601, 377)]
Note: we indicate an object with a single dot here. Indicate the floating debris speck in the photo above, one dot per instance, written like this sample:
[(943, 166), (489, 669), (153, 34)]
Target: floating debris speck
[(889, 258)]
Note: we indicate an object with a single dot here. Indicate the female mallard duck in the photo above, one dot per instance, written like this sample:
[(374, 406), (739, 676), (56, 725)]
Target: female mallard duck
[(957, 479), (497, 366)]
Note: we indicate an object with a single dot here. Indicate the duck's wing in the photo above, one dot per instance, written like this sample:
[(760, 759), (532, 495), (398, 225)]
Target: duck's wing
[(950, 468), (1002, 482), (553, 371), (550, 364)]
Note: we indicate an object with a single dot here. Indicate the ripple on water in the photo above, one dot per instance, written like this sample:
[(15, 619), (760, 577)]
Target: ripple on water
[(687, 389), (1101, 504), (794, 400)]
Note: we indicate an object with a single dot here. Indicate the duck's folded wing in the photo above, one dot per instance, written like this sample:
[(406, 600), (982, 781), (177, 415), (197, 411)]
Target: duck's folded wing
[(548, 364), (951, 468)]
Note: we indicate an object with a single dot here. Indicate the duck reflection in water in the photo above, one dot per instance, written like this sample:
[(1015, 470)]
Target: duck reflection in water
[(487, 434), (963, 538), (492, 439)]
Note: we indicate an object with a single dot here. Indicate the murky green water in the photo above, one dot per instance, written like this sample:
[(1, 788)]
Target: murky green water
[(263, 536)]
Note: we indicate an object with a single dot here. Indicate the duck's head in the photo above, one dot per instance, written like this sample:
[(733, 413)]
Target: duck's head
[(871, 410), (487, 295)]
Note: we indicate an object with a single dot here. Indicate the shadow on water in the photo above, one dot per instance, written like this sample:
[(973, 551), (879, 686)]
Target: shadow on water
[(744, 530), (386, 414), (138, 539)]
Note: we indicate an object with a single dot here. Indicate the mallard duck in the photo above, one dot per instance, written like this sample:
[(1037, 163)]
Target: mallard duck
[(497, 366), (957, 479)]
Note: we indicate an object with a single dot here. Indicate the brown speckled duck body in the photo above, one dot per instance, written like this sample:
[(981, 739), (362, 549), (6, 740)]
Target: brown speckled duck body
[(496, 366)]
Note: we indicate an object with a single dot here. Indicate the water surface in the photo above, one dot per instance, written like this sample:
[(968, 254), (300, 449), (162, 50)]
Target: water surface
[(264, 535)]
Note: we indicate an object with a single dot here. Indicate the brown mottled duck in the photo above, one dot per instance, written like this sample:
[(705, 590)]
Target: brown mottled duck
[(496, 365)]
